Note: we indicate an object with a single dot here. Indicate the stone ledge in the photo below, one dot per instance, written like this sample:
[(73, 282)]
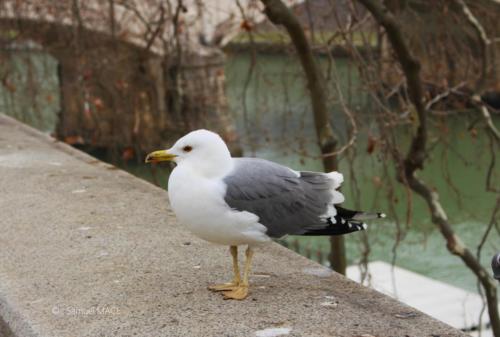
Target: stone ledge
[(89, 250)]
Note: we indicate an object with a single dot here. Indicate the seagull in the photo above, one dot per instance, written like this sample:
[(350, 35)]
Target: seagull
[(250, 201)]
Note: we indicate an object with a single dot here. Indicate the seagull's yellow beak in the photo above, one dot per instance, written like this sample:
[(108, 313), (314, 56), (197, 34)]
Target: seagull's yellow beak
[(158, 156)]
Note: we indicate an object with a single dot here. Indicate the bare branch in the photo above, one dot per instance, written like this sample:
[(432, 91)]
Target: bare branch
[(483, 40), (476, 100), (416, 156), (158, 29), (411, 67)]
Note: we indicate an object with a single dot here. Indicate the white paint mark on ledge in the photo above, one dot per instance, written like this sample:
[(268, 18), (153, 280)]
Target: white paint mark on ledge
[(273, 332), (318, 271), (329, 304)]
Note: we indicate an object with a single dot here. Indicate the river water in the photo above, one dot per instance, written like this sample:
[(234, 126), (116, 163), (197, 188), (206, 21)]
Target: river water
[(275, 123)]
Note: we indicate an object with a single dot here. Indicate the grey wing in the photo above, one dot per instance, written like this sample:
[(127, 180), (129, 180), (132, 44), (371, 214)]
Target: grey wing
[(284, 201)]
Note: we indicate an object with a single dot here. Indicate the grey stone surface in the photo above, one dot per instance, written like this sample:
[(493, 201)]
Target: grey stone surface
[(89, 250)]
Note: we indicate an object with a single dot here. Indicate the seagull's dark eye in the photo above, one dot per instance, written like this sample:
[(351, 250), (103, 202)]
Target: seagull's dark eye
[(187, 148)]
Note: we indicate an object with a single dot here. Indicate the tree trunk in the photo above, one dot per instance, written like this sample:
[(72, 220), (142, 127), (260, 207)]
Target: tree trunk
[(279, 14)]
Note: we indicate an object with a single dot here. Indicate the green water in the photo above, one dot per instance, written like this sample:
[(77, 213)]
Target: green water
[(30, 87), (277, 124)]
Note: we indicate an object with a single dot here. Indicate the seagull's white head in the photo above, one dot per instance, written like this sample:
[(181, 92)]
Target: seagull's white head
[(204, 151)]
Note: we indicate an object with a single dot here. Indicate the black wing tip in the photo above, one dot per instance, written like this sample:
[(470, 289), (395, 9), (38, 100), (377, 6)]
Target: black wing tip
[(357, 226), (351, 225), (358, 215), (340, 227)]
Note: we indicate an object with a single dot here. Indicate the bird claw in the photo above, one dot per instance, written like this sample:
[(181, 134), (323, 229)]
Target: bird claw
[(238, 293), (223, 286)]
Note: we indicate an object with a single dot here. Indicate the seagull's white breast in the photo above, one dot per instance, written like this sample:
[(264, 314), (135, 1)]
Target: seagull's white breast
[(198, 203)]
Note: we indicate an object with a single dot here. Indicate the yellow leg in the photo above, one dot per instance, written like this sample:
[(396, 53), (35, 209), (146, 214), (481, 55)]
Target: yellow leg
[(236, 270), (241, 291)]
